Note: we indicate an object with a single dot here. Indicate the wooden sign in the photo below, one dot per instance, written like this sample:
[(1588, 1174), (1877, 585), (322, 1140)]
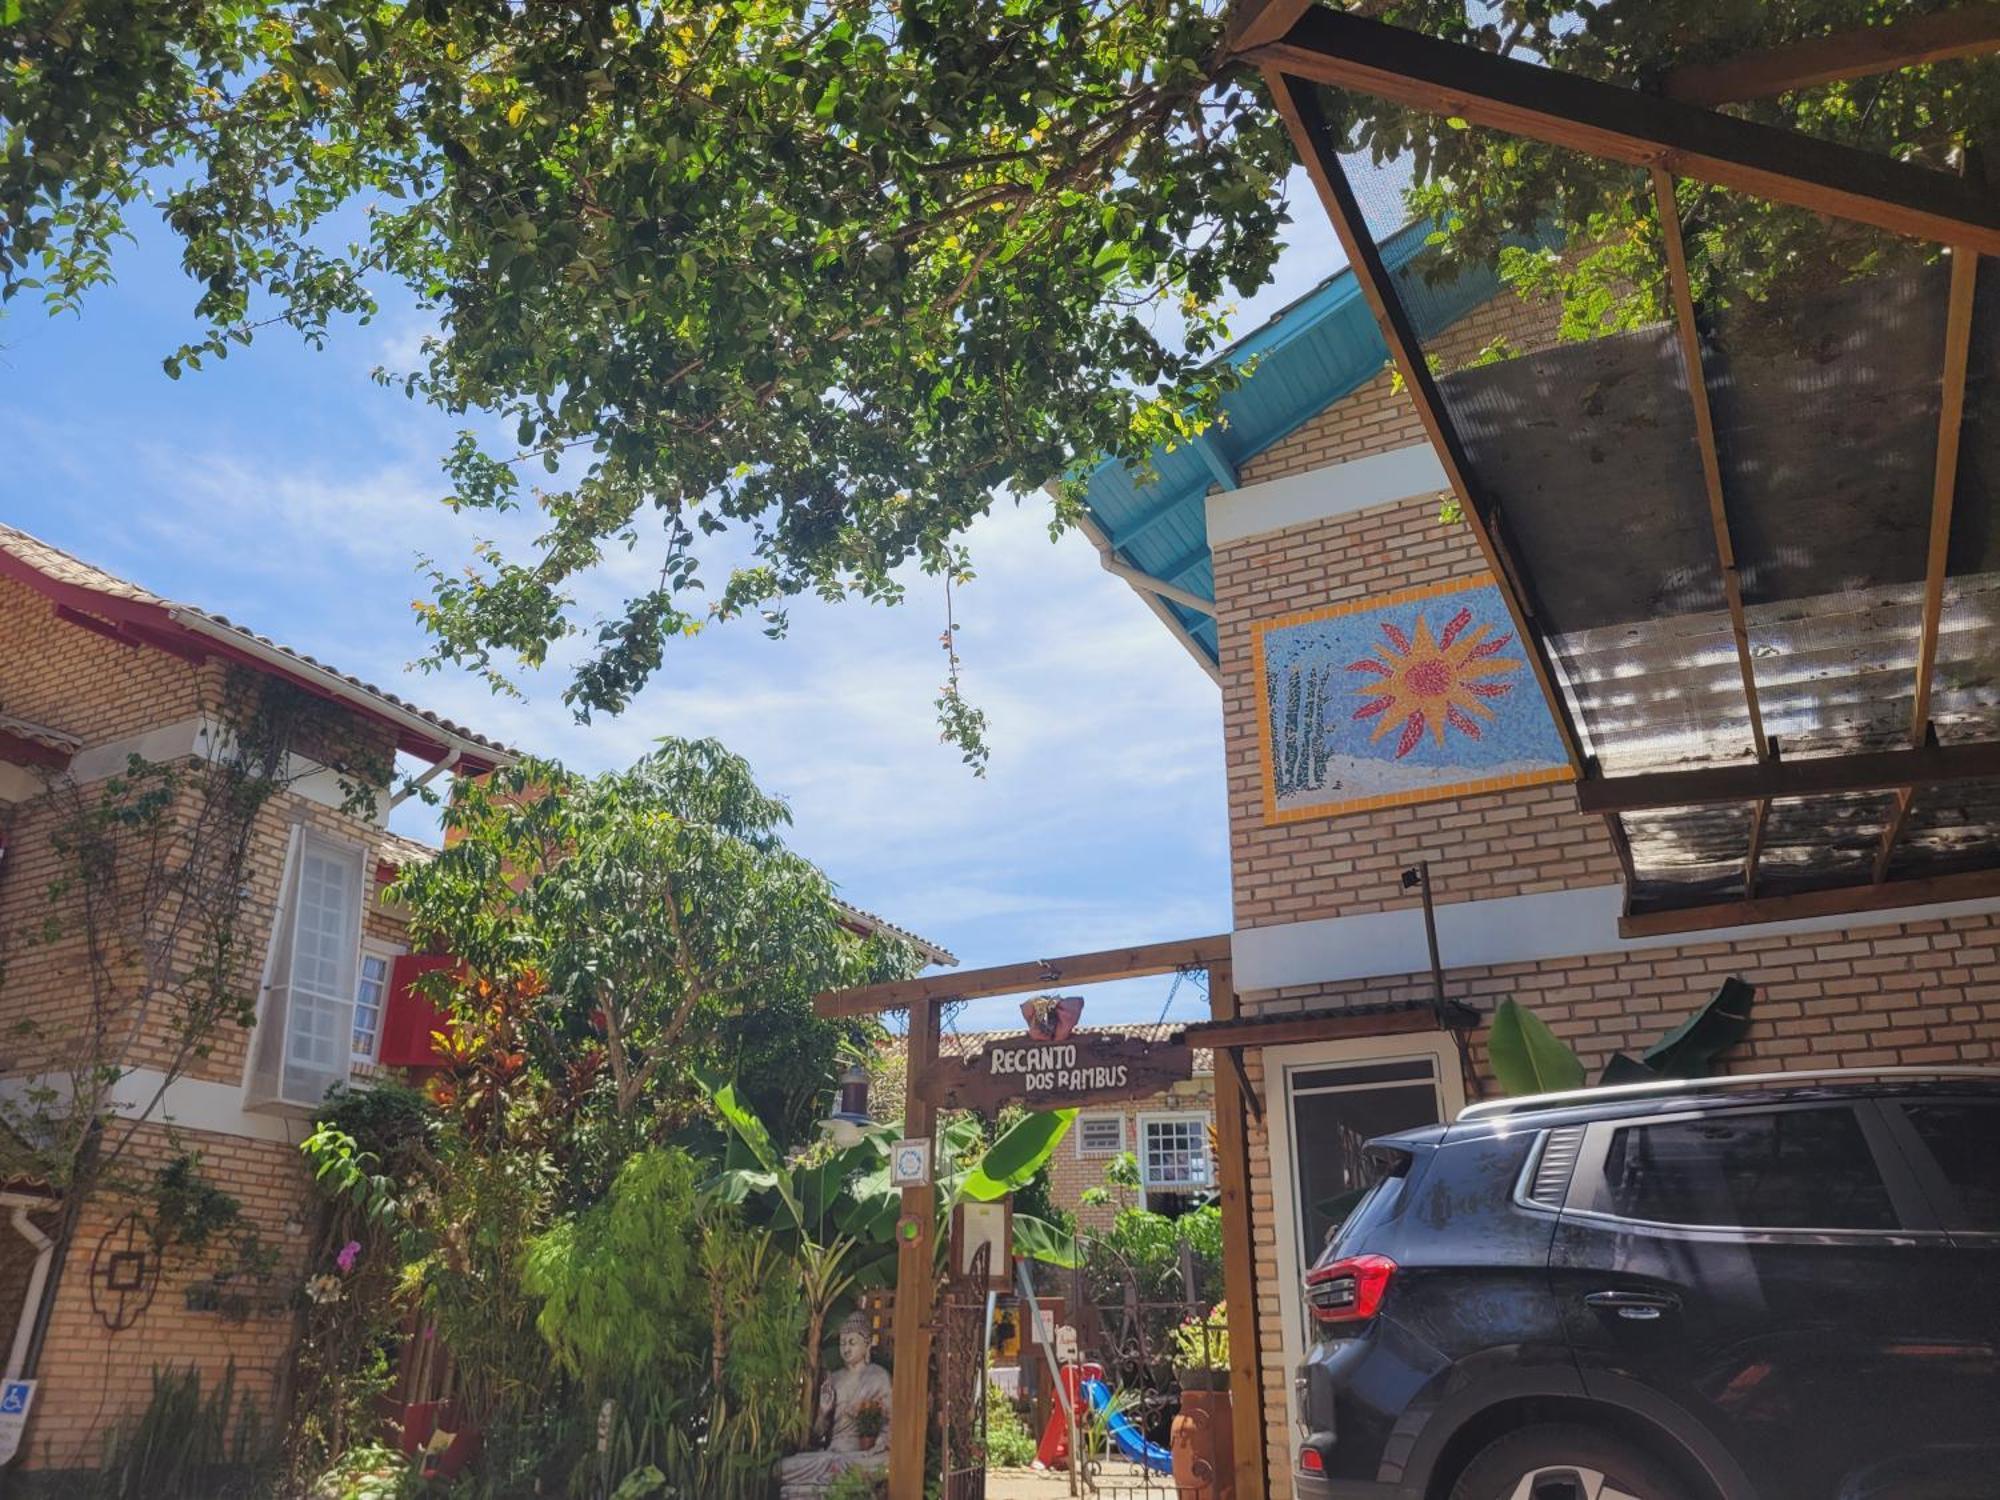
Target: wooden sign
[(1088, 1068)]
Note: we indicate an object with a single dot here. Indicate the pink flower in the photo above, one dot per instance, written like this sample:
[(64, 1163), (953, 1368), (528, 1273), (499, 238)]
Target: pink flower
[(349, 1254)]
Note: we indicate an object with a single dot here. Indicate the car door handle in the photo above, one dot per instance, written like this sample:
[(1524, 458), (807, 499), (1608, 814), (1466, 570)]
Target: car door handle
[(1640, 1307)]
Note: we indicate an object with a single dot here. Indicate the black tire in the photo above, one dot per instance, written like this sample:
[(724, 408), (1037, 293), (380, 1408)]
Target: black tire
[(1567, 1461)]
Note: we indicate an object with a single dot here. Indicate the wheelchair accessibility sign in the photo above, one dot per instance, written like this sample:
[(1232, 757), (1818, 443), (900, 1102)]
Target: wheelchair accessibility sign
[(16, 1398)]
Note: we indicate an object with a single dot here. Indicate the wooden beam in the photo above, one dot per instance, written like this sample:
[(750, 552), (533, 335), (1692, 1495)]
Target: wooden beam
[(1944, 476), (1704, 436), (1759, 815), (1313, 140), (1219, 467), (1256, 1105), (19, 750), (1122, 541), (1621, 845), (1977, 885), (1016, 979), (1316, 1026), (1252, 23), (1239, 1262), (1876, 771), (916, 1279), (1966, 31), (1621, 124), (1905, 796)]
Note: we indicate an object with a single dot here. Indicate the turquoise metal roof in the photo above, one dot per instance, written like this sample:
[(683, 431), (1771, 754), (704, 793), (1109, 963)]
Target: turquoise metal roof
[(1317, 350)]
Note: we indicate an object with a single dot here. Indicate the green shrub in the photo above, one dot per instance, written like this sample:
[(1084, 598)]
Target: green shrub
[(185, 1445), (859, 1484), (1009, 1444)]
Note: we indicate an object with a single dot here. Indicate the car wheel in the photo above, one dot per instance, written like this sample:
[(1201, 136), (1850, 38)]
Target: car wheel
[(1559, 1461)]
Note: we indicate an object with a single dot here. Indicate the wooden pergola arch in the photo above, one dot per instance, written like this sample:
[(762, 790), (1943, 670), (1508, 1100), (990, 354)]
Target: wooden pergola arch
[(1227, 1033), (925, 1000)]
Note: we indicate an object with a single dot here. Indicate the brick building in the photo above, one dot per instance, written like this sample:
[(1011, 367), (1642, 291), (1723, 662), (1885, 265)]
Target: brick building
[(94, 671), (1319, 496)]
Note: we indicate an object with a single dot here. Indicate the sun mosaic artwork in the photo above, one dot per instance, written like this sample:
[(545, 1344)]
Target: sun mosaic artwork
[(1411, 697)]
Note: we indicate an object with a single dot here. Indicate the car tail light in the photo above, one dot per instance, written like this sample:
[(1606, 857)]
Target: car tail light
[(1310, 1462), (1350, 1290)]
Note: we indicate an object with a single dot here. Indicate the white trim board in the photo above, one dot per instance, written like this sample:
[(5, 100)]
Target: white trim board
[(203, 735), (1507, 929), (1336, 490), (187, 1104)]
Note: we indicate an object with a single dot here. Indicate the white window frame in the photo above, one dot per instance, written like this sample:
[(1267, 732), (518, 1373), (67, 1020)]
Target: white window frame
[(1098, 1117), (1198, 1117), (388, 953), (1281, 1066), (277, 975)]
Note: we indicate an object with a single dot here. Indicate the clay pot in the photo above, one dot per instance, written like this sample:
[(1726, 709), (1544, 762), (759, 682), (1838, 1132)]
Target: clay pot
[(1203, 1443)]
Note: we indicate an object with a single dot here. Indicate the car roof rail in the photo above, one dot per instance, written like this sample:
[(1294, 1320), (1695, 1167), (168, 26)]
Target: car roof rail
[(1487, 1109)]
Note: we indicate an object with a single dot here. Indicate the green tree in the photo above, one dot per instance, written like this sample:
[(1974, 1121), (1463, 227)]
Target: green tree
[(818, 275), (651, 910), (1586, 230), (822, 274)]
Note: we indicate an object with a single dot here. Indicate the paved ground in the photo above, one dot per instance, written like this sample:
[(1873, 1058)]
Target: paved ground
[(1115, 1481)]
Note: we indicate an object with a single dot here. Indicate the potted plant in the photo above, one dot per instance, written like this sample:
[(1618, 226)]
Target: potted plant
[(869, 1420), (1198, 1349), (1203, 1438)]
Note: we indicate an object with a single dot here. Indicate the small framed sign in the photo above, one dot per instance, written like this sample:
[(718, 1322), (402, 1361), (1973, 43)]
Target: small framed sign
[(988, 1224), (910, 1164)]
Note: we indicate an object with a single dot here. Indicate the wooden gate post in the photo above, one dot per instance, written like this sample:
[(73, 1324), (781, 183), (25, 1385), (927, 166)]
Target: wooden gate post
[(1239, 1267), (916, 1273)]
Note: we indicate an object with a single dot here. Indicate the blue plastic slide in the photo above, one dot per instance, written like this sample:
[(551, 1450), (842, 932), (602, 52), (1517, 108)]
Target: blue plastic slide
[(1130, 1440)]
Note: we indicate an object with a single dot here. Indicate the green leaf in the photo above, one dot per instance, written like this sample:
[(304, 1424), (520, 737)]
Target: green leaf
[(1691, 1048), (1528, 1058), (751, 1132), (1017, 1156), (1038, 1239), (1624, 1068)]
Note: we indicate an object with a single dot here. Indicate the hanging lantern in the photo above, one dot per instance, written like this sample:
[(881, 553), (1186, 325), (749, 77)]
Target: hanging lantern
[(850, 1114)]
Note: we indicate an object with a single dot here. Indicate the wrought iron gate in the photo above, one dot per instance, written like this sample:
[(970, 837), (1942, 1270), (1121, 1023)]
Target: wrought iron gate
[(960, 1382)]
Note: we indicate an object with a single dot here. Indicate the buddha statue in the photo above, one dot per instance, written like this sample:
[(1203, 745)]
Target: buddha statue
[(853, 1401)]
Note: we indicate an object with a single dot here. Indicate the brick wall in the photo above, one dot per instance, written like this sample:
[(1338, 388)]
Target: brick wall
[(94, 1378), (1877, 992), (1070, 1173), (75, 680), (71, 679), (1881, 993)]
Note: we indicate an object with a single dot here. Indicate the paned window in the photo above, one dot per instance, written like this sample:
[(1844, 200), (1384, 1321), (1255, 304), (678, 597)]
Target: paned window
[(1100, 1135), (369, 996), (1173, 1152), (305, 1034)]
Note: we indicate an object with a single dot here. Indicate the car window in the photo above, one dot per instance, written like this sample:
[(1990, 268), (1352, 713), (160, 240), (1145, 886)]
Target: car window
[(1965, 1139), (1376, 1204), (1776, 1169)]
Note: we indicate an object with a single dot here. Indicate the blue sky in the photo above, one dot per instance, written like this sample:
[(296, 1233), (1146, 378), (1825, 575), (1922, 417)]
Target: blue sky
[(284, 489)]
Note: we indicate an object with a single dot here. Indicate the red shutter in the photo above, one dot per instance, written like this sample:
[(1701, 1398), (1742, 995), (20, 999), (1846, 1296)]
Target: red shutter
[(408, 1019)]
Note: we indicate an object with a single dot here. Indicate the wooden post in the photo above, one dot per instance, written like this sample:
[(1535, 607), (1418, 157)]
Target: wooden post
[(916, 1278), (1239, 1268)]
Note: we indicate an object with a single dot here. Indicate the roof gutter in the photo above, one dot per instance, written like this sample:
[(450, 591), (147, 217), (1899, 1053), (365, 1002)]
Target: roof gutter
[(1152, 592), (454, 747)]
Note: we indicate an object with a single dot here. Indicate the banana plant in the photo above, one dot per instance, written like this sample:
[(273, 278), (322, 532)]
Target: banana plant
[(847, 1193), (1528, 1058)]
